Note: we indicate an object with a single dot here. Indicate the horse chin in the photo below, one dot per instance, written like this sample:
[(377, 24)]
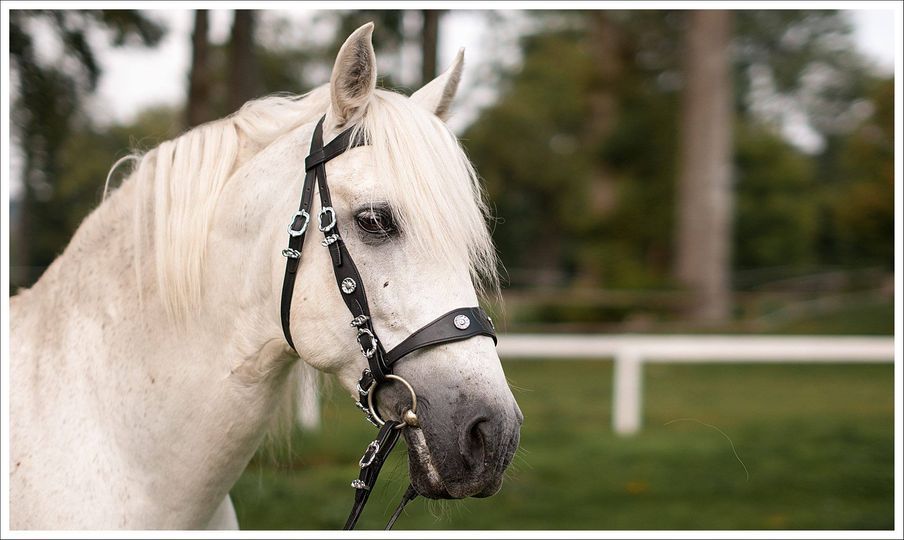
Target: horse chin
[(426, 478), (421, 469)]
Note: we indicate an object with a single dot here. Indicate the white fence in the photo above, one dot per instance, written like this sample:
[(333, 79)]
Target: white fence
[(630, 352)]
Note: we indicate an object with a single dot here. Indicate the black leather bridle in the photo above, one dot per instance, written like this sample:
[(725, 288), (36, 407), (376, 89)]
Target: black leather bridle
[(456, 325)]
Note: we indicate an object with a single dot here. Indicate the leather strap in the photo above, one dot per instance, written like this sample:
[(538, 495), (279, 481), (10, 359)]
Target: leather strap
[(371, 463), (315, 170), (456, 325), (410, 495), (348, 279)]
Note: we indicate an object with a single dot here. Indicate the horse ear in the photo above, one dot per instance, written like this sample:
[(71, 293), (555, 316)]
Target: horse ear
[(437, 95), (354, 76)]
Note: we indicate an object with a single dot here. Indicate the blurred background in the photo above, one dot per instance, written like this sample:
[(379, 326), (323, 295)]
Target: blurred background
[(651, 172)]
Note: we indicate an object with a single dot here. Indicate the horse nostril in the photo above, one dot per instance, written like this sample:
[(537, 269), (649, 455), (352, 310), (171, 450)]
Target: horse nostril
[(473, 442)]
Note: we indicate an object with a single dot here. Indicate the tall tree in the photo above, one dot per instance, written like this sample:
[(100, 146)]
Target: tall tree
[(429, 43), (243, 67), (704, 210), (198, 107)]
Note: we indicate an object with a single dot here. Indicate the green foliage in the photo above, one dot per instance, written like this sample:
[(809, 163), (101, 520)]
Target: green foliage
[(542, 163), (863, 208), (47, 109), (587, 206), (84, 161), (777, 199), (808, 59), (578, 154), (546, 109)]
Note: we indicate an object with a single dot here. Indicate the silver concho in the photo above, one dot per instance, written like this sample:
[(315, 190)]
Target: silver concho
[(462, 322), (348, 285)]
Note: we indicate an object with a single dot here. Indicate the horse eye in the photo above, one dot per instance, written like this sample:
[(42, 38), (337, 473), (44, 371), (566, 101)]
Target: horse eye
[(376, 222)]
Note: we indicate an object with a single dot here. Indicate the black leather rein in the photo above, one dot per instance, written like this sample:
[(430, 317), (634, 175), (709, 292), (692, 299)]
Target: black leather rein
[(456, 325)]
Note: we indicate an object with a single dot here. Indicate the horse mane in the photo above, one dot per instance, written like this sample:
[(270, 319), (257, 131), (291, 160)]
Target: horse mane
[(434, 190), (178, 184)]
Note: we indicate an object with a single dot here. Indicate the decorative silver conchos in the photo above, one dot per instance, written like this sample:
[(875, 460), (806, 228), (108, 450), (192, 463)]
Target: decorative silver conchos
[(462, 322), (348, 285)]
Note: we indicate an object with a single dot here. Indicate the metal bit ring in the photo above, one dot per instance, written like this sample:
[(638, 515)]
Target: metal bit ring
[(407, 418)]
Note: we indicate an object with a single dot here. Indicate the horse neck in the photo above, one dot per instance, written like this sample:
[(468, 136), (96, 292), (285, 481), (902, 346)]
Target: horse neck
[(186, 406)]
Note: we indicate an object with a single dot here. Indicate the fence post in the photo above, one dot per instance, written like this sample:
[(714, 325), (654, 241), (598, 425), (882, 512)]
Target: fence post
[(626, 391)]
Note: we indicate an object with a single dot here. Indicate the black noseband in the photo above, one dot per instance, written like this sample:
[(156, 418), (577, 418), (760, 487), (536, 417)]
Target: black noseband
[(456, 325)]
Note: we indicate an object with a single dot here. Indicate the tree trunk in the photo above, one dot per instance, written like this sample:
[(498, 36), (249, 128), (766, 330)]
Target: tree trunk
[(198, 110), (429, 41), (704, 211), (243, 76), (20, 229)]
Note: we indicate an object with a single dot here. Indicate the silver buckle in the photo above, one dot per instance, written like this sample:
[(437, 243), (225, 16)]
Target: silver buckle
[(370, 454), (327, 209), (300, 214), (290, 253), (331, 239), (368, 353), (359, 320)]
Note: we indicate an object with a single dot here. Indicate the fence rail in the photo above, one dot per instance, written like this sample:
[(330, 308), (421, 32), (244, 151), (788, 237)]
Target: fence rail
[(630, 352)]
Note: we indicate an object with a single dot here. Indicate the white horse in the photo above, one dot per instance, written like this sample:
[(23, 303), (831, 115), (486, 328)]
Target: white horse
[(148, 361)]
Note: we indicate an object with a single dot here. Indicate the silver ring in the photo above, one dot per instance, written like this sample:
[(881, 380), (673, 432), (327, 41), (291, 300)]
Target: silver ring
[(370, 399)]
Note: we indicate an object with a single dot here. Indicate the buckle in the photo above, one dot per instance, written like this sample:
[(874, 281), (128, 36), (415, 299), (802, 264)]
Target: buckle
[(370, 351), (358, 321), (370, 454), (329, 240), (357, 483), (290, 253), (303, 214), (327, 210)]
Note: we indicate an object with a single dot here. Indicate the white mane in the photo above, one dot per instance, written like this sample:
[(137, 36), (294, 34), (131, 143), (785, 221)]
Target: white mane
[(431, 184)]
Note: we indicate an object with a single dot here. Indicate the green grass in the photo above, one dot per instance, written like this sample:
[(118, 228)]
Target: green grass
[(817, 441)]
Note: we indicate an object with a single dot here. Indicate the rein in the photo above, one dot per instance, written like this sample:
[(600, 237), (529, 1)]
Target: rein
[(456, 325)]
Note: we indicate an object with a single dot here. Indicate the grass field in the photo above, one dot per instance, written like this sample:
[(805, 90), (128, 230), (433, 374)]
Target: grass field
[(817, 441)]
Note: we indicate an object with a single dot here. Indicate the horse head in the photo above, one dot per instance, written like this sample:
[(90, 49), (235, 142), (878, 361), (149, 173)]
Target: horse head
[(408, 207)]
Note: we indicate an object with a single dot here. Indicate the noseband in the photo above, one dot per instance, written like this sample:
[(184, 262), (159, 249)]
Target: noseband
[(456, 325)]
